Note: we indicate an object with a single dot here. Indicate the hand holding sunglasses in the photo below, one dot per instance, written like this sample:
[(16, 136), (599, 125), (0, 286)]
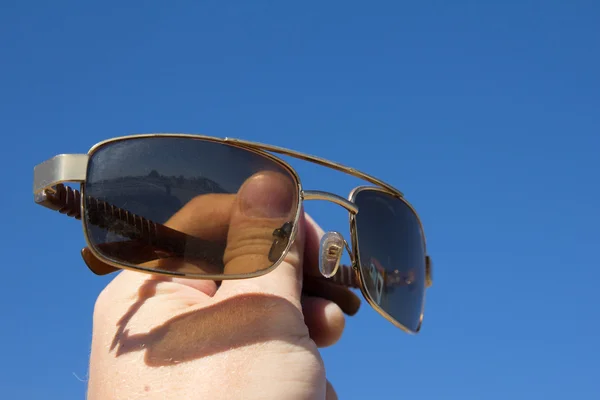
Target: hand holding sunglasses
[(170, 205)]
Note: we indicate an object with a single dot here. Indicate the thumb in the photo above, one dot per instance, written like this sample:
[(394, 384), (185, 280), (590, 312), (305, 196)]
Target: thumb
[(259, 232)]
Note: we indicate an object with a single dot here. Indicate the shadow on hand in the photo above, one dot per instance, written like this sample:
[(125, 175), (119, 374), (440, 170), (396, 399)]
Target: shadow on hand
[(232, 323)]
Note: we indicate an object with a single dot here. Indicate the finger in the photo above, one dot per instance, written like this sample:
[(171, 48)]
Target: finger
[(203, 285), (330, 393), (206, 216), (266, 202), (345, 298), (314, 233), (324, 319), (126, 281)]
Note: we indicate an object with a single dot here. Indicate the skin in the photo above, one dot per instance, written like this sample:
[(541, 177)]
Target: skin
[(156, 337)]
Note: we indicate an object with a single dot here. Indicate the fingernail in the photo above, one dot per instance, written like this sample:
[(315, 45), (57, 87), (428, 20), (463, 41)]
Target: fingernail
[(268, 195)]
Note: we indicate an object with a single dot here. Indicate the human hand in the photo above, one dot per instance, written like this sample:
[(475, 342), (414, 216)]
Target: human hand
[(171, 338)]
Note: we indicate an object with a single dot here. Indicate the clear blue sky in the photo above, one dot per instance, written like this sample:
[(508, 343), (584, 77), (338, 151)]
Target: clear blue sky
[(485, 114)]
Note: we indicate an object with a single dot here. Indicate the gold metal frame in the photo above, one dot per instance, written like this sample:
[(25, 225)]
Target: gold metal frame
[(73, 168)]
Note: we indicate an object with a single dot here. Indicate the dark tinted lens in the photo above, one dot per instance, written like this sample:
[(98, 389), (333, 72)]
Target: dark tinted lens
[(392, 255), (188, 206)]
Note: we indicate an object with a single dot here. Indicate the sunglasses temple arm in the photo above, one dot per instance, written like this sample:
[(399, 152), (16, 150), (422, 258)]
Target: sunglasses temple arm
[(67, 200)]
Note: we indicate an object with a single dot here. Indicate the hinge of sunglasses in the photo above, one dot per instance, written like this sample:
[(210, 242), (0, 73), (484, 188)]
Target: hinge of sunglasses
[(428, 271), (59, 169)]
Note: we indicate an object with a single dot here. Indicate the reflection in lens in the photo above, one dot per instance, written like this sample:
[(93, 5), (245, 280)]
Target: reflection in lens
[(188, 206), (392, 255)]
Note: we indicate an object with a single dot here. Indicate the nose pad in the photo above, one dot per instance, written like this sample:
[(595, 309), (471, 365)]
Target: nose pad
[(330, 253)]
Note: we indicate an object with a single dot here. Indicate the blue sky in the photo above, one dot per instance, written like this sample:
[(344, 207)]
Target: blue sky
[(485, 114)]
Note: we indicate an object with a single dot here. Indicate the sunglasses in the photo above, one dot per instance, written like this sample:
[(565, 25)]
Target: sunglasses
[(208, 208)]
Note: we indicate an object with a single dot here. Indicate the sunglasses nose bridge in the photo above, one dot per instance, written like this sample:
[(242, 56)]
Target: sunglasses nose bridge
[(332, 244), (327, 196)]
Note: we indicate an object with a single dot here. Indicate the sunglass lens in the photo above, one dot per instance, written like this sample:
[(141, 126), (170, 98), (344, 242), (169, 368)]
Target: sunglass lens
[(188, 206), (392, 255)]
